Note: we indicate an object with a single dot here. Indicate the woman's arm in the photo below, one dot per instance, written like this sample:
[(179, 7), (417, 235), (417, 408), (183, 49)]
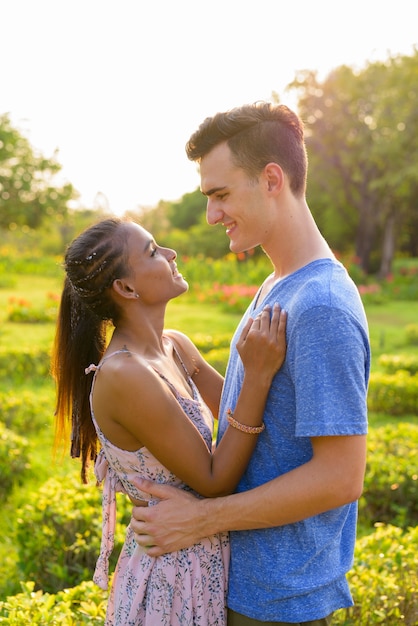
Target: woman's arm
[(206, 378), (141, 404)]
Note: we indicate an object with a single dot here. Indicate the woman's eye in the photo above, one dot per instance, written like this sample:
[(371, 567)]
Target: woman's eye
[(153, 251)]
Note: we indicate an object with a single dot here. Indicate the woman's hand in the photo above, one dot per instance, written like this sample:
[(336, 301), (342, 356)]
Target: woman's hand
[(262, 344)]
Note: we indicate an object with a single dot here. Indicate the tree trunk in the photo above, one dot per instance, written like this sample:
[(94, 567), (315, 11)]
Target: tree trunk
[(388, 248), (365, 237)]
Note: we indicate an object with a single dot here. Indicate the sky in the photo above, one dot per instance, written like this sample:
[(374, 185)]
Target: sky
[(116, 87)]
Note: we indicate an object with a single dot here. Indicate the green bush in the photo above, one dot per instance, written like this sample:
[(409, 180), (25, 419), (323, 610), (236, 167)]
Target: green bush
[(231, 298), (214, 349), (84, 604), (22, 311), (229, 270), (13, 459), (206, 342), (13, 262), (402, 284), (384, 580), (218, 358), (19, 366), (393, 363), (412, 334), (6, 282), (59, 532), (26, 412), (393, 394), (391, 482)]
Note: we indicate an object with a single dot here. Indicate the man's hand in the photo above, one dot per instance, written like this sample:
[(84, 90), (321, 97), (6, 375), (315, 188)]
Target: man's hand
[(175, 522)]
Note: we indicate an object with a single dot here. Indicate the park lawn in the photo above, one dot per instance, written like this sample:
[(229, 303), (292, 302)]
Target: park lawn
[(387, 324), (387, 321)]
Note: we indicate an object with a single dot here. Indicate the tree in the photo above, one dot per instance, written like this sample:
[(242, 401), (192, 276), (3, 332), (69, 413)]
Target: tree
[(28, 193), (188, 210), (362, 140)]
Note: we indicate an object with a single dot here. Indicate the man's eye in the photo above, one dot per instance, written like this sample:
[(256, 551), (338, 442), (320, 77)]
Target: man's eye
[(153, 251), (221, 196)]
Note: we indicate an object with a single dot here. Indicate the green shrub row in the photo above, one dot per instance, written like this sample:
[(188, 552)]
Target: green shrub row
[(83, 604), (59, 532), (26, 411), (27, 314), (390, 492), (206, 342), (383, 582), (59, 527), (218, 358), (393, 394), (392, 363), (29, 265), (6, 281), (19, 366), (412, 334), (14, 459)]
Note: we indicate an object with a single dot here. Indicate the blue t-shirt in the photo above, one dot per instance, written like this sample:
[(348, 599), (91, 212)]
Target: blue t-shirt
[(297, 572)]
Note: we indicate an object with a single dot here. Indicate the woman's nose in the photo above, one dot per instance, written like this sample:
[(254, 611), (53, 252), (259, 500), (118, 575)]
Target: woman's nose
[(171, 254)]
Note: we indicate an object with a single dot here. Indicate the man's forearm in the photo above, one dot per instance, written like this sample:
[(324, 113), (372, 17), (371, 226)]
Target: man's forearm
[(305, 491), (332, 478)]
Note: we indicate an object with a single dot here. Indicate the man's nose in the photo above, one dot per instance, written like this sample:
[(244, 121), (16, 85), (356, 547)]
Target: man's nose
[(214, 214)]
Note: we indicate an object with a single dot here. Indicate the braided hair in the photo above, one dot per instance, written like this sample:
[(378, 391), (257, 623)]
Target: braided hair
[(92, 262)]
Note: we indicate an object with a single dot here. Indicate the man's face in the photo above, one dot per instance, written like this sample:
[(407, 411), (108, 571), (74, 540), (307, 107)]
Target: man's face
[(234, 200)]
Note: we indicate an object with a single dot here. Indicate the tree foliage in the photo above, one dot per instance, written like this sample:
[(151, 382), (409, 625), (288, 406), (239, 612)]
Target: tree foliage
[(182, 225), (362, 140), (28, 193), (187, 212)]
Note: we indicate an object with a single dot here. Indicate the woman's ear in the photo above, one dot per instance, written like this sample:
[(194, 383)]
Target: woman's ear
[(124, 289)]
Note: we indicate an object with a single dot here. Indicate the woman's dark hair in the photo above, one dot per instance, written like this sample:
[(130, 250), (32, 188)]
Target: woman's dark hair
[(92, 262), (256, 134)]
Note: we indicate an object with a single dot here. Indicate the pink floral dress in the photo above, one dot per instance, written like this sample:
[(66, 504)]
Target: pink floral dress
[(184, 588)]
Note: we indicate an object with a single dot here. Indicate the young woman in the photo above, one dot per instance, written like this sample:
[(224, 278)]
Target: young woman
[(150, 405)]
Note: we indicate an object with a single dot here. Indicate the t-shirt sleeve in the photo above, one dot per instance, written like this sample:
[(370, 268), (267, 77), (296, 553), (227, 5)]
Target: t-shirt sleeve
[(328, 361)]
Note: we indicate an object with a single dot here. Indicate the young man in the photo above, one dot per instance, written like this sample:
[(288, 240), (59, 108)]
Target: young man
[(293, 518)]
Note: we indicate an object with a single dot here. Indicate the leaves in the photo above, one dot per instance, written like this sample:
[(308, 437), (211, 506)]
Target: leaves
[(362, 141), (28, 192)]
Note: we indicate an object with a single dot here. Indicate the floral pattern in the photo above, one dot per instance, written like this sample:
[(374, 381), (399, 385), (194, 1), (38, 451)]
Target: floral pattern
[(184, 588)]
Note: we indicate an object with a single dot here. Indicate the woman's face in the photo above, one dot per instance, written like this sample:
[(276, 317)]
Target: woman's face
[(152, 268)]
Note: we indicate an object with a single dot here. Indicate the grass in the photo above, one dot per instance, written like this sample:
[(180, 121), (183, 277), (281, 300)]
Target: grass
[(191, 318), (387, 327), (199, 318), (386, 321), (32, 289)]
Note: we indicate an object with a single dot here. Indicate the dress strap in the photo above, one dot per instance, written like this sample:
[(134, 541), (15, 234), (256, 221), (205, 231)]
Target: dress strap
[(177, 353), (94, 368)]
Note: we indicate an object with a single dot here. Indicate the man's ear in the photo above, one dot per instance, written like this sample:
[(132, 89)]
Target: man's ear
[(123, 288), (274, 177)]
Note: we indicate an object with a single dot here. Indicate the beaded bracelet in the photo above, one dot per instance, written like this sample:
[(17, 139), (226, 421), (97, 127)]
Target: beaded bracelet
[(251, 430)]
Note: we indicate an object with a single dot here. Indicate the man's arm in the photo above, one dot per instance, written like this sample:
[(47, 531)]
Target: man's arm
[(333, 477)]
